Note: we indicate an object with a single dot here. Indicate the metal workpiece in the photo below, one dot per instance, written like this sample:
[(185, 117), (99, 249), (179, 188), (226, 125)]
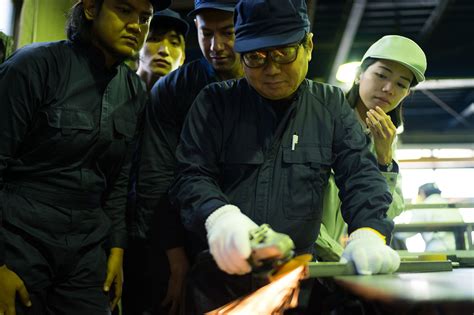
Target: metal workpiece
[(333, 269)]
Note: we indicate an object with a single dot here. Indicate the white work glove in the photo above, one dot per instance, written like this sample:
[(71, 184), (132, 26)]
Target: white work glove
[(229, 239), (369, 253)]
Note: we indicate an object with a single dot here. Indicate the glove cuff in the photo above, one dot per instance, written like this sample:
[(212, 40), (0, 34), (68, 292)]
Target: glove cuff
[(366, 233), (218, 213)]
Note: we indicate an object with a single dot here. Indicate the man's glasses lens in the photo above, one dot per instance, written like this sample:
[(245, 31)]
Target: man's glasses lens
[(280, 55), (255, 59)]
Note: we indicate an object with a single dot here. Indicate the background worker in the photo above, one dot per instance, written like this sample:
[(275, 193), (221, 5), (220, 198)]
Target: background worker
[(163, 52), (260, 149), (389, 68), (67, 120), (171, 99), (164, 48), (430, 193)]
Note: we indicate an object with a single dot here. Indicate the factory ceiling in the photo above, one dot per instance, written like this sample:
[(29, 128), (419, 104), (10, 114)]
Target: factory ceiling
[(442, 110)]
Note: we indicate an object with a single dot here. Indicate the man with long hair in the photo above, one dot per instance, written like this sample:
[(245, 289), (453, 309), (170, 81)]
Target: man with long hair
[(67, 122), (162, 53)]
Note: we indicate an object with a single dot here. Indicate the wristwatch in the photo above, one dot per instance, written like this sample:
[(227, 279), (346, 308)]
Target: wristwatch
[(387, 167)]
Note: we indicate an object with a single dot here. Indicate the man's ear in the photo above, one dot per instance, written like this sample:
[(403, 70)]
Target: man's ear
[(183, 56), (89, 9), (309, 45)]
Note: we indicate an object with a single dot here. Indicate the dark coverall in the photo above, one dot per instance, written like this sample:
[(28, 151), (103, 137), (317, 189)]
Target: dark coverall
[(171, 98), (237, 148), (66, 130)]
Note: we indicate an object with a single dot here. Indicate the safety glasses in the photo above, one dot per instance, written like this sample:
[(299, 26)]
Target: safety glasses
[(280, 55)]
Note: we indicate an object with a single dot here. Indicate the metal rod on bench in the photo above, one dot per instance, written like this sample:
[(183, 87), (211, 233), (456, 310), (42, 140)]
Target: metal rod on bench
[(333, 269)]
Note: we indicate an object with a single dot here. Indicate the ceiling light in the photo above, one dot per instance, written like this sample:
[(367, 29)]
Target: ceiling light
[(346, 72)]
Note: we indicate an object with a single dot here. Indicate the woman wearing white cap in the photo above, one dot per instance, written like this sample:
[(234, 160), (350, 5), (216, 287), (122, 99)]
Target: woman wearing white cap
[(389, 68)]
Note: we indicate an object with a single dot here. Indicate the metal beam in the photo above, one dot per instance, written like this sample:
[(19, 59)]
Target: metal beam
[(433, 20), (468, 111), (457, 138), (402, 13), (445, 84), (353, 21), (390, 5), (446, 107)]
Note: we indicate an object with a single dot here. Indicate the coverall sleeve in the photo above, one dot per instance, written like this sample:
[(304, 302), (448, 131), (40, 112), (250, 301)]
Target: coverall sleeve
[(328, 247), (362, 189), (394, 181), (115, 202), (157, 167), (332, 226), (115, 196), (21, 91), (196, 187)]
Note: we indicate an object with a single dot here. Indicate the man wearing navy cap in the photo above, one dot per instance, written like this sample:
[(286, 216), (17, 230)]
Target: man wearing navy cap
[(68, 118), (163, 50), (162, 53), (260, 150), (171, 98)]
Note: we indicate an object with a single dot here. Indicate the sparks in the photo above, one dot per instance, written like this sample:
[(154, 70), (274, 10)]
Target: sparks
[(274, 298)]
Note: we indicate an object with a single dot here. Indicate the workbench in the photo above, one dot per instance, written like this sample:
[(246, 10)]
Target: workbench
[(434, 283), (447, 292)]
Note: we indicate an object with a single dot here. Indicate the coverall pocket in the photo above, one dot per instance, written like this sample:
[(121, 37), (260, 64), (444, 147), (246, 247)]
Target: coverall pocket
[(124, 129), (59, 134), (305, 172), (68, 120)]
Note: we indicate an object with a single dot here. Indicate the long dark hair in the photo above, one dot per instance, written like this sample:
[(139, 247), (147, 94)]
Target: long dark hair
[(353, 94), (78, 28)]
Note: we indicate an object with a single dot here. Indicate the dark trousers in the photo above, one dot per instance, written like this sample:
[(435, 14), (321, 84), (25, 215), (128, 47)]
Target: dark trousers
[(59, 254), (137, 286), (146, 275)]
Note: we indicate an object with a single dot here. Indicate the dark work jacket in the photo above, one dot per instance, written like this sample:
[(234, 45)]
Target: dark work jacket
[(171, 98), (234, 150), (67, 125)]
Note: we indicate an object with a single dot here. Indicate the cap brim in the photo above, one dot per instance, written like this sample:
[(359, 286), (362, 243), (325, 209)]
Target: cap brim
[(419, 77), (212, 6), (160, 4), (261, 42)]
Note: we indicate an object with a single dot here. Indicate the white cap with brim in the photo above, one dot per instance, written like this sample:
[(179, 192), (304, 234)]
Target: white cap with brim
[(402, 50)]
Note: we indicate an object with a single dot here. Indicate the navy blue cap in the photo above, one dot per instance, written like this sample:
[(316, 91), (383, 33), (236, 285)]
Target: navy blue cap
[(171, 18), (269, 23), (160, 4), (429, 189), (222, 5)]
